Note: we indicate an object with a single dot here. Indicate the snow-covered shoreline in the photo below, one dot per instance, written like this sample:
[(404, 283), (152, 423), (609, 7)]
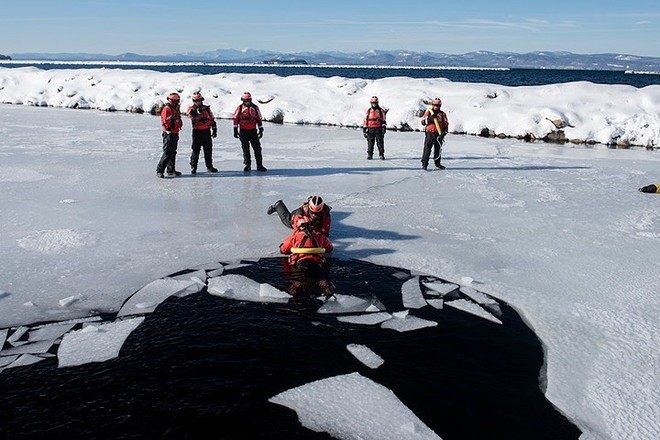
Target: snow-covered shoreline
[(578, 112)]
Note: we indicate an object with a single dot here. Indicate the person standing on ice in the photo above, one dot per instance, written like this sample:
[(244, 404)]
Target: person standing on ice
[(171, 122), (248, 126), (314, 211), (204, 129), (436, 127), (374, 127)]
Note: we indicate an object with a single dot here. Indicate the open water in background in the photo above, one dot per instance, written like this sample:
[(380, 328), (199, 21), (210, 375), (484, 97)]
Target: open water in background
[(506, 77)]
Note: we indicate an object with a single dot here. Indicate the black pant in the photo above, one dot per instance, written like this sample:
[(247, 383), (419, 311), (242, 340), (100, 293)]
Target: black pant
[(375, 135), (248, 137), (432, 140), (168, 159), (202, 139)]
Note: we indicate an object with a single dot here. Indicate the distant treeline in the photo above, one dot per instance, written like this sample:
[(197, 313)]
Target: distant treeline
[(5, 57)]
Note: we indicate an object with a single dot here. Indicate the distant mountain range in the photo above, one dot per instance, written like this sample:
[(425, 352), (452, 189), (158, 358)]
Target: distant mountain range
[(484, 59)]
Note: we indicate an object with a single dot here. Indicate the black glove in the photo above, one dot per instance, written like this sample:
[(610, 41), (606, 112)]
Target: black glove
[(236, 132), (214, 131), (365, 132), (261, 132), (193, 112), (384, 127)]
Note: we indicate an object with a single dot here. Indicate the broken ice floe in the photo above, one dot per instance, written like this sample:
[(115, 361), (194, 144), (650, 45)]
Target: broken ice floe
[(475, 309), (150, 296), (353, 406), (365, 355), (239, 287), (339, 303), (412, 294)]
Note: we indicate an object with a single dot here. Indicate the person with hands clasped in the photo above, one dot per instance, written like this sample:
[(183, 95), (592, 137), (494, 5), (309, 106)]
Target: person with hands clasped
[(204, 129), (248, 127), (374, 127), (436, 127), (171, 123)]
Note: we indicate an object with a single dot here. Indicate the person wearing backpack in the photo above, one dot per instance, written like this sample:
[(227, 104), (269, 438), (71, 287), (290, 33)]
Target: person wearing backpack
[(374, 127), (204, 129)]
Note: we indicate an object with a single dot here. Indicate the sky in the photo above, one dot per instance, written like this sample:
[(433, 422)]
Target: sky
[(560, 233), (166, 27)]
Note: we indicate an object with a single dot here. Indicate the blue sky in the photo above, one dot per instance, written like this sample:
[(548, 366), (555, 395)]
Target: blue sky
[(165, 26)]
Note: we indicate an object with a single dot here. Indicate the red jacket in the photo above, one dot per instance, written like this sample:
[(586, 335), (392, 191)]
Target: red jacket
[(170, 119), (430, 125), (201, 116), (303, 239), (320, 222), (375, 118), (247, 117)]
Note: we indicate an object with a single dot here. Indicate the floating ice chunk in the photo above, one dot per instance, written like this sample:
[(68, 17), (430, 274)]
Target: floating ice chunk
[(435, 303), (353, 407), (17, 334), (372, 308), (216, 272), (68, 201), (400, 275), (402, 314), (198, 276), (6, 360), (350, 304), (150, 296), (84, 346), (475, 309), (68, 301), (407, 323), (268, 291), (440, 288), (31, 347), (3, 337), (49, 332), (28, 304), (411, 294), (466, 281), (482, 299), (365, 355), (367, 319), (242, 288), (25, 359)]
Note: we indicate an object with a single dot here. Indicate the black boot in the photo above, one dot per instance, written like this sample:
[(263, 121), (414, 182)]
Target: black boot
[(272, 208)]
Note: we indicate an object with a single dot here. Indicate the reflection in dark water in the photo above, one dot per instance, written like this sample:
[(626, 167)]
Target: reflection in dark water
[(204, 364)]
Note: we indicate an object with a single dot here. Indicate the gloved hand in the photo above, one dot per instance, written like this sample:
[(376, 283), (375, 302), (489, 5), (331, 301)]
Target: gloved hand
[(236, 132), (214, 131), (261, 132), (193, 112), (364, 132), (384, 127)]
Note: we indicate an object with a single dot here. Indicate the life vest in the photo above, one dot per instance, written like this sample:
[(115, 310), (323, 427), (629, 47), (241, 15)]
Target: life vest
[(247, 117), (442, 121), (202, 117), (305, 240), (375, 118), (170, 118)]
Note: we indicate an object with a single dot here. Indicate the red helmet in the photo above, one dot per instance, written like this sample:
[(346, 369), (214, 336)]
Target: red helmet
[(374, 100), (437, 101), (246, 97), (315, 204), (197, 97), (174, 97)]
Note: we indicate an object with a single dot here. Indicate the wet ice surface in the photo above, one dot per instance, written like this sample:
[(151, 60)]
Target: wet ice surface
[(558, 232), (328, 391)]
